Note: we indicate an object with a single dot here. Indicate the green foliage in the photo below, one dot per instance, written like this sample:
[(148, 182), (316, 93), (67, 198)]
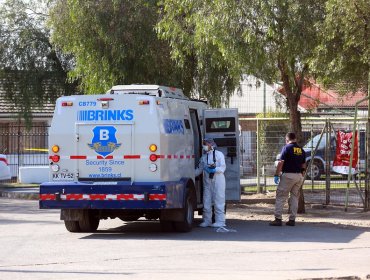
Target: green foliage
[(271, 135), (192, 32), (31, 71), (343, 57), (273, 40), (113, 42)]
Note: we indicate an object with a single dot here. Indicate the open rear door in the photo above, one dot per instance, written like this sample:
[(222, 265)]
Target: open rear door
[(223, 126)]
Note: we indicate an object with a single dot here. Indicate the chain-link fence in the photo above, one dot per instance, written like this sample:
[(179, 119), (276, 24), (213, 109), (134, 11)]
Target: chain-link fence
[(261, 143), (24, 146)]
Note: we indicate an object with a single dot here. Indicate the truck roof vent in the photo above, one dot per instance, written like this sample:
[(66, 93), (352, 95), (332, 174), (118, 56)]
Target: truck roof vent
[(152, 90)]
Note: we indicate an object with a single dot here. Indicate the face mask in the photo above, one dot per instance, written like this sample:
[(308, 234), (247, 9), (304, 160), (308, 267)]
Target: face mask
[(205, 148)]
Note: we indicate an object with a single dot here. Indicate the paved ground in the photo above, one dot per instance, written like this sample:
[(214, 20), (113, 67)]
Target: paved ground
[(35, 245)]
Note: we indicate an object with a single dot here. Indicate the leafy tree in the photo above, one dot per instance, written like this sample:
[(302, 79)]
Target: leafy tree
[(273, 40), (113, 42), (343, 57), (31, 71)]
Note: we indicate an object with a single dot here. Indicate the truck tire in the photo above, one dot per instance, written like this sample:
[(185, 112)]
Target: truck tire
[(188, 213), (72, 226), (90, 221)]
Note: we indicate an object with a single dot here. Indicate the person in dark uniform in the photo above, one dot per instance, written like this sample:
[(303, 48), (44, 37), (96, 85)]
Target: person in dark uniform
[(289, 177)]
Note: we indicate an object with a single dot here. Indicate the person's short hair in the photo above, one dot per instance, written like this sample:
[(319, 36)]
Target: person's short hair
[(290, 136)]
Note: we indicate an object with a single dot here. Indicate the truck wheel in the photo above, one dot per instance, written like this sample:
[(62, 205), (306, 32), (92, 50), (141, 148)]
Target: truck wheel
[(90, 221), (72, 226), (317, 170), (188, 213)]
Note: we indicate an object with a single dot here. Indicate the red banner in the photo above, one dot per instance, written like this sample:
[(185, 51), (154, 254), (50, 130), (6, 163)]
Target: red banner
[(343, 153)]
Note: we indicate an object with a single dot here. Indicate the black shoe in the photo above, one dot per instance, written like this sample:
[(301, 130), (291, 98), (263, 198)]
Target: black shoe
[(290, 223), (276, 223)]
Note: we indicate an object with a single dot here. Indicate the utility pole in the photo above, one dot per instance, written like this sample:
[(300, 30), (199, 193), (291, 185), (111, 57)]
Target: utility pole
[(367, 162)]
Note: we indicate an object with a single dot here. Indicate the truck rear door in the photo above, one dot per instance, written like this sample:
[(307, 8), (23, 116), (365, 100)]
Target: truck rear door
[(223, 126), (104, 152)]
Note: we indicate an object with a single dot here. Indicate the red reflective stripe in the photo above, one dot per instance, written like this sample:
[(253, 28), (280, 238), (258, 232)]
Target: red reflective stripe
[(79, 196), (131, 156), (157, 197), (47, 196), (78, 157), (74, 196), (4, 160), (125, 196), (97, 196)]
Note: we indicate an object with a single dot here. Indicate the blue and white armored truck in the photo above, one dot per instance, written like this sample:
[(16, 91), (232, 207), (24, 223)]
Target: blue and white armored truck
[(131, 153)]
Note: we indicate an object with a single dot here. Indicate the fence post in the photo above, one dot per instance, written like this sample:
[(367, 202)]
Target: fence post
[(259, 190), (352, 149), (327, 161), (312, 156), (367, 163)]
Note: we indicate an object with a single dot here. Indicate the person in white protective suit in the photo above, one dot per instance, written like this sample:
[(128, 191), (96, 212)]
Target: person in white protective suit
[(213, 166)]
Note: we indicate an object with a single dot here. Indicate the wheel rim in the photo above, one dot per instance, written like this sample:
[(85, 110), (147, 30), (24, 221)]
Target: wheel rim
[(315, 171)]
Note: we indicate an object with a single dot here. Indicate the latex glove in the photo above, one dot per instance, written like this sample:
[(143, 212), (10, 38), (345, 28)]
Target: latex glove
[(206, 169), (276, 179), (212, 170)]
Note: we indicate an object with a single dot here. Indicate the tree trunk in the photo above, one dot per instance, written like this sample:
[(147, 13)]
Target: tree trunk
[(293, 97), (296, 127)]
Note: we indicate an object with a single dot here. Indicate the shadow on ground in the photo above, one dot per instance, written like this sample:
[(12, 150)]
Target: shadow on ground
[(250, 231)]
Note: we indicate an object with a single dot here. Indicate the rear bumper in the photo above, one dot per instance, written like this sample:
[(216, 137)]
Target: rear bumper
[(117, 195)]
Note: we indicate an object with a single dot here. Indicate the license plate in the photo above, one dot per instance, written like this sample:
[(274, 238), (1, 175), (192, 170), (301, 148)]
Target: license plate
[(62, 176)]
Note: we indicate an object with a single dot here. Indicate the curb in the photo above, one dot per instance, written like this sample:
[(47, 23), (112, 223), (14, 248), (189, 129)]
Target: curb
[(18, 193)]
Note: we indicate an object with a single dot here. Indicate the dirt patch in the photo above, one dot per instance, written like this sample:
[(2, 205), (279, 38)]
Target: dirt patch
[(261, 207)]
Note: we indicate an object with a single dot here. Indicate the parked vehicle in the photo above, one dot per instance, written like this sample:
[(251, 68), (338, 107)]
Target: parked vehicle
[(132, 153), (319, 164), (4, 168)]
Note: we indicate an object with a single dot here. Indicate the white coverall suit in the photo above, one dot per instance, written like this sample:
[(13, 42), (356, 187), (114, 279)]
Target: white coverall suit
[(214, 189)]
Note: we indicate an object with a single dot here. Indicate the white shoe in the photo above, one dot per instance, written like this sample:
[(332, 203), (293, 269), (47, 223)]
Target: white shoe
[(218, 225), (205, 224)]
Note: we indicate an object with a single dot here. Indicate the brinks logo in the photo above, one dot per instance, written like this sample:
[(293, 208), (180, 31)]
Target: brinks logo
[(104, 141), (105, 115), (173, 126)]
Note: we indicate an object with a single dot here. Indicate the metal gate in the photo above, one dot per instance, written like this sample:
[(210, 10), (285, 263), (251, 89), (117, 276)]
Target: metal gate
[(263, 138), (24, 146)]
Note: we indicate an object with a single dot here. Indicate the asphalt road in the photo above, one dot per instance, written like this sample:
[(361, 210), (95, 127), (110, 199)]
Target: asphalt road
[(35, 245)]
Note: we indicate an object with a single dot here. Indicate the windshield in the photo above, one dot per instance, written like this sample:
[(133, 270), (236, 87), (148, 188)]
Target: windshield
[(313, 142)]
